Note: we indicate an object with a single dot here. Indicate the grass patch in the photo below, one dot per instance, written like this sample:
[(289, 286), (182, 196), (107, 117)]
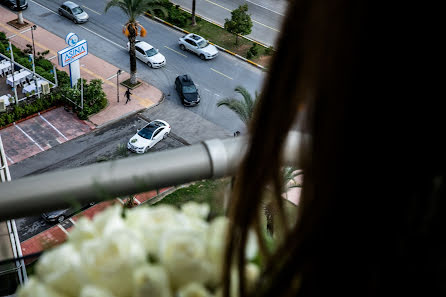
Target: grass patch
[(206, 191)]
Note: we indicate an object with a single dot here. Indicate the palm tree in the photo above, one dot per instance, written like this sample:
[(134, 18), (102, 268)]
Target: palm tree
[(20, 13), (193, 13), (133, 9), (243, 109)]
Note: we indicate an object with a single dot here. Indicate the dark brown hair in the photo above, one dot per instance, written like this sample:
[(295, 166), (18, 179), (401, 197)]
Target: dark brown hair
[(369, 215)]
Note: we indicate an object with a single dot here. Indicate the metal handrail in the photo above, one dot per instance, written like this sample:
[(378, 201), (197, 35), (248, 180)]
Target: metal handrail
[(107, 180)]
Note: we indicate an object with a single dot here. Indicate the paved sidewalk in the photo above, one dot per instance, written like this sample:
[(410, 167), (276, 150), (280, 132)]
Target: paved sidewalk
[(91, 68)]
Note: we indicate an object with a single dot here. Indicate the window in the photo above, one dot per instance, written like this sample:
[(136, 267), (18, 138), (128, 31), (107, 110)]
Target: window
[(157, 132), (151, 52), (203, 43), (191, 89), (140, 50), (77, 10), (191, 42)]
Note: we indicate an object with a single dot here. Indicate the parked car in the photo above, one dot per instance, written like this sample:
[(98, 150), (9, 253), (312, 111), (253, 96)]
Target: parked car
[(198, 45), (60, 215), (73, 12), (12, 4), (147, 137), (148, 54), (187, 90)]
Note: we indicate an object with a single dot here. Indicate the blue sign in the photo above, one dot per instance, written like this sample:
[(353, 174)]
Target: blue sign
[(73, 53), (71, 39)]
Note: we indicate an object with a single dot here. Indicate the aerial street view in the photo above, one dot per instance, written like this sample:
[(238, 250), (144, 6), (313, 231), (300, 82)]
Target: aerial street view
[(158, 148)]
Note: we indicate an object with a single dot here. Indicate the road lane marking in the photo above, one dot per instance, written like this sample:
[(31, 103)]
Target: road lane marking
[(113, 76), (55, 56), (24, 31), (30, 138), (91, 9), (221, 73), (175, 51), (265, 7), (266, 26), (72, 221), (9, 37), (218, 5), (57, 130), (118, 45), (62, 228), (43, 7)]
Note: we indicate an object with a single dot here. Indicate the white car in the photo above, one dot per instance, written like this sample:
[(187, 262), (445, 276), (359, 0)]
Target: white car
[(147, 137), (148, 54), (198, 45)]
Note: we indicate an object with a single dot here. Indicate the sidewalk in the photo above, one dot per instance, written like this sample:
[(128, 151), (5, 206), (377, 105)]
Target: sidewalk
[(92, 67)]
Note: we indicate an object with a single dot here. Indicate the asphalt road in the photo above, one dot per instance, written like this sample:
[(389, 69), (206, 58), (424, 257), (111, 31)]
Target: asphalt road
[(266, 15), (216, 79), (99, 145)]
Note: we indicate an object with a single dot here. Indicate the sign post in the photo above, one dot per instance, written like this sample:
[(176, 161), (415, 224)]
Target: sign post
[(71, 55)]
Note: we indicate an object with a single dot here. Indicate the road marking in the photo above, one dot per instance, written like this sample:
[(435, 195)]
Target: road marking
[(118, 45), (10, 160), (264, 7), (113, 76), (44, 7), (218, 5), (9, 37), (91, 9), (24, 31), (52, 57), (72, 221), (62, 228), (217, 95), (57, 130), (30, 138), (221, 73), (266, 26), (175, 51)]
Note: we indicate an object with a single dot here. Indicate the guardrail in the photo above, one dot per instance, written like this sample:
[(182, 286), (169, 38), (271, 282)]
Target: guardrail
[(55, 190)]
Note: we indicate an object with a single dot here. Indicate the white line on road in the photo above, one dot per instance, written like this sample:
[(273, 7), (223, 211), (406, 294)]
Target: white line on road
[(72, 221), (62, 228), (113, 76), (217, 95), (118, 45), (274, 29), (24, 31), (264, 7), (9, 37), (218, 5), (175, 51), (29, 137), (57, 130), (91, 9), (52, 57), (221, 73), (43, 7)]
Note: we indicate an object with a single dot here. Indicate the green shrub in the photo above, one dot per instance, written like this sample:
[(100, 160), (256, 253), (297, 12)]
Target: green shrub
[(269, 51), (177, 17), (45, 64), (62, 78), (254, 49), (3, 38)]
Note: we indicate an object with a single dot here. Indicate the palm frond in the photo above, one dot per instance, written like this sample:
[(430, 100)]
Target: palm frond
[(236, 106)]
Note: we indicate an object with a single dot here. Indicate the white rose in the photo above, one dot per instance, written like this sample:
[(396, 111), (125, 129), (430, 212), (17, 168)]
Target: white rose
[(197, 210), (183, 253), (93, 291), (34, 288), (151, 281), (109, 220), (109, 261), (60, 268), (216, 245), (84, 230), (193, 290)]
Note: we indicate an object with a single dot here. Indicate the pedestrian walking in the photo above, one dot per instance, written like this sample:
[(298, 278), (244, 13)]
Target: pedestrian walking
[(127, 94)]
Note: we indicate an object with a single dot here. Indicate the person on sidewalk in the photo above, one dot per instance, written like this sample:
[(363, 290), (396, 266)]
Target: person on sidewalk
[(127, 94)]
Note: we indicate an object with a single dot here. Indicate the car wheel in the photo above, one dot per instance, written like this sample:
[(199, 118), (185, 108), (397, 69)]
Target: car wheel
[(75, 21), (60, 219), (149, 64), (165, 135), (60, 13), (183, 48), (202, 57), (147, 149)]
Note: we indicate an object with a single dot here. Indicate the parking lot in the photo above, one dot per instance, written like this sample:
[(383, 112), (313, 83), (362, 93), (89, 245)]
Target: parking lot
[(25, 139)]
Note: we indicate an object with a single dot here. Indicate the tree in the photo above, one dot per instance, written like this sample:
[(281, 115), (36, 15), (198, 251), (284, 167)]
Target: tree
[(243, 109), (193, 13), (240, 22), (133, 9), (19, 13)]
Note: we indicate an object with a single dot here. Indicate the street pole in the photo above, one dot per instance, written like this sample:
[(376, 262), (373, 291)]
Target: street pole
[(117, 82), (34, 27), (12, 70), (82, 93)]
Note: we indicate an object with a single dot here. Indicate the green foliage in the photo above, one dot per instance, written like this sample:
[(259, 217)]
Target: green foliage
[(3, 38), (269, 51), (253, 51), (240, 22), (62, 78), (45, 64)]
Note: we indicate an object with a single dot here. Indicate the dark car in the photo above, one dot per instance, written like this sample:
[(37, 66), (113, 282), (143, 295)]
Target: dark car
[(73, 12), (61, 214), (187, 90), (12, 4)]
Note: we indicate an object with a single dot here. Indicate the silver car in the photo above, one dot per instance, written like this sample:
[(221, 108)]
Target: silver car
[(73, 12), (198, 45)]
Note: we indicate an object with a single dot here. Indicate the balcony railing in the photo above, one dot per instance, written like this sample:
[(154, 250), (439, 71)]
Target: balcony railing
[(55, 190)]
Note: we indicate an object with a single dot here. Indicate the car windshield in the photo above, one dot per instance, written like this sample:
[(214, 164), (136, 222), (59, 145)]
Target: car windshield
[(77, 10), (22, 2), (203, 44), (148, 130), (189, 89), (151, 52)]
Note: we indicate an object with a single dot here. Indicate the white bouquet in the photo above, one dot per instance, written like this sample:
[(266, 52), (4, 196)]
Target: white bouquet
[(150, 251)]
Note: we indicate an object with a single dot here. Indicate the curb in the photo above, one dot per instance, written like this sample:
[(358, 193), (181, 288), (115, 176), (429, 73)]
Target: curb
[(30, 116), (219, 47)]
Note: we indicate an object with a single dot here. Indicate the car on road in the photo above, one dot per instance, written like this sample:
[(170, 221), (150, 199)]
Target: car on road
[(60, 215), (73, 12), (198, 45), (187, 90), (12, 4), (148, 54), (147, 137)]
